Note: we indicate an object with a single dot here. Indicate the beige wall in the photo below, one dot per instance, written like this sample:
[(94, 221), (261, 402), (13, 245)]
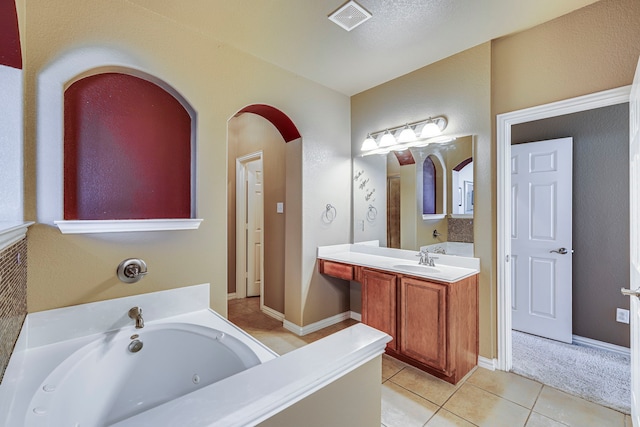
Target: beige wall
[(218, 81), (592, 49), (459, 88), (250, 133)]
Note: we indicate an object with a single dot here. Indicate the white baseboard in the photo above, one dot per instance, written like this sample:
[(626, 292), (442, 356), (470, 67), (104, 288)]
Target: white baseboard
[(588, 342), (272, 313), (304, 330), (487, 363), (231, 296), (356, 316)]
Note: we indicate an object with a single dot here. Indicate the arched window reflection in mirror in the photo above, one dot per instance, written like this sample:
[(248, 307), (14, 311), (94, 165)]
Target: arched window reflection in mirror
[(428, 187), (433, 190)]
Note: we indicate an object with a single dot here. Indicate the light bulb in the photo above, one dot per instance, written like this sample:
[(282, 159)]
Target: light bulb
[(407, 134), (387, 139), (431, 128), (369, 144)]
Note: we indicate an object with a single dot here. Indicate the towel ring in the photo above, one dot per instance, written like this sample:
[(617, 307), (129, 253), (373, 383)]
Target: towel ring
[(330, 213), (372, 213)]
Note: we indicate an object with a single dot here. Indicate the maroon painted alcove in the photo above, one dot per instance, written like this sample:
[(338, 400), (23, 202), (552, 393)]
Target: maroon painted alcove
[(10, 52), (127, 150)]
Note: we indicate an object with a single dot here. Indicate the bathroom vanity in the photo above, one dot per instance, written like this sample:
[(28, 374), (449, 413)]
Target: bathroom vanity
[(431, 312)]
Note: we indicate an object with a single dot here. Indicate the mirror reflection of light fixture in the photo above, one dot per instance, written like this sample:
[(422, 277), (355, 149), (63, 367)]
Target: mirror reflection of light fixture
[(387, 139), (402, 137)]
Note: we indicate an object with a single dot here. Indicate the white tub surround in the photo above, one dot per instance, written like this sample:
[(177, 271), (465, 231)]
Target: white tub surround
[(50, 338), (256, 394), (448, 268), (450, 248)]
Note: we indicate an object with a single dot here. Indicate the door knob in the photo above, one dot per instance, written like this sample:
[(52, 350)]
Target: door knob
[(561, 251), (629, 292)]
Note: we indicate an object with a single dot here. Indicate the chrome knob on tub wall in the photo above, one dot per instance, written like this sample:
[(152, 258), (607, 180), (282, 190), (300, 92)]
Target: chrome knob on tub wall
[(132, 270)]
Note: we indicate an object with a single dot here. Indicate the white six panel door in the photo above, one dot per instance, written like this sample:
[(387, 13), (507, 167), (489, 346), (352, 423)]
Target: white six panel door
[(541, 238), (255, 219)]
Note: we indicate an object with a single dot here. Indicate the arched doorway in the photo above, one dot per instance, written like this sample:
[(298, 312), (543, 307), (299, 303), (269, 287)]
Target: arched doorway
[(257, 151)]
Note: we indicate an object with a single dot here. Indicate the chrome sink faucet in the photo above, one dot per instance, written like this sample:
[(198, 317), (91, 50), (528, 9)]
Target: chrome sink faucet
[(136, 314), (425, 259)]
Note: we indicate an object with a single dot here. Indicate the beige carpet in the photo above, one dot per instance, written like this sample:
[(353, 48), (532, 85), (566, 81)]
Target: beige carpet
[(596, 375)]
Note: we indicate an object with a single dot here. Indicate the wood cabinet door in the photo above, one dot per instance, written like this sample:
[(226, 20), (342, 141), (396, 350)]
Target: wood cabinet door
[(379, 302), (423, 322)]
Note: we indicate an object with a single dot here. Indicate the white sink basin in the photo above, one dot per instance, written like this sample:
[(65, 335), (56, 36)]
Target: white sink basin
[(416, 268)]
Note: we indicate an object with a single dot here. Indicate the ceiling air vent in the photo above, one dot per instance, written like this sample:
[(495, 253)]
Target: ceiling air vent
[(350, 15)]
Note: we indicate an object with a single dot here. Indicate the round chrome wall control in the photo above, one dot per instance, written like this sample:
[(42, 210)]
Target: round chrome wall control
[(132, 270)]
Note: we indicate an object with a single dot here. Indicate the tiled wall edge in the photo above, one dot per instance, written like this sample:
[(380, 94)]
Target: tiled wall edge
[(13, 297)]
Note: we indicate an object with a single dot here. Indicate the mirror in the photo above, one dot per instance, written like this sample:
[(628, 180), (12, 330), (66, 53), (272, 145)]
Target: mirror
[(422, 197)]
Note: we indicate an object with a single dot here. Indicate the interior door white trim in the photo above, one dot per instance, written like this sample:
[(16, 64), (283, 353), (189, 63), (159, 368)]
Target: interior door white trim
[(241, 289), (503, 164)]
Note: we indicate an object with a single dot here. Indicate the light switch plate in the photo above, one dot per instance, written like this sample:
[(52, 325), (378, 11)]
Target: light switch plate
[(280, 207)]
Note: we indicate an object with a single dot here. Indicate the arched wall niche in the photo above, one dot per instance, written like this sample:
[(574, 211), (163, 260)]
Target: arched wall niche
[(128, 150), (51, 84)]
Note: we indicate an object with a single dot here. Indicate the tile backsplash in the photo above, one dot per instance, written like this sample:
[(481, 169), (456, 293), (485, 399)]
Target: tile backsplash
[(460, 230), (13, 298)]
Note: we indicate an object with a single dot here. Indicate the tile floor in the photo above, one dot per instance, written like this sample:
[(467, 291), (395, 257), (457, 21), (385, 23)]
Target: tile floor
[(411, 397)]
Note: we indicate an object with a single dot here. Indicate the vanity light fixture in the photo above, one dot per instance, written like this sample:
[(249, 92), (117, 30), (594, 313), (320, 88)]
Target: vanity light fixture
[(400, 138)]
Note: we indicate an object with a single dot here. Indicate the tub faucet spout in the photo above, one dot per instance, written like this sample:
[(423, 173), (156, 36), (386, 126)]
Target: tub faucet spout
[(136, 314)]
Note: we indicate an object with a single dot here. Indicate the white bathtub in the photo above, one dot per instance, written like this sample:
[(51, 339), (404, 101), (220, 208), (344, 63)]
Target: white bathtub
[(103, 382), (451, 248), (195, 368)]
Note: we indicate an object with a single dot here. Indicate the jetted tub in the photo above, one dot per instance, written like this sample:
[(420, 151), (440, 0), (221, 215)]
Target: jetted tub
[(78, 366), (105, 382)]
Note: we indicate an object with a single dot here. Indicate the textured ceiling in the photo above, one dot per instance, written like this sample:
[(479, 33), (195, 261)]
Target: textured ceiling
[(402, 36)]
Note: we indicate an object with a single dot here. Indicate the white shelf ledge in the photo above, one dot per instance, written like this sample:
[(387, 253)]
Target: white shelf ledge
[(126, 225), (428, 217), (12, 231)]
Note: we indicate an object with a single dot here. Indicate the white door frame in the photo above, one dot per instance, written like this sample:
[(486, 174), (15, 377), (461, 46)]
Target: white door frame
[(503, 165), (241, 183)]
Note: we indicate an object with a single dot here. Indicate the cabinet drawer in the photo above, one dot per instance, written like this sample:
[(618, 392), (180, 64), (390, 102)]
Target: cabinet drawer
[(335, 269)]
